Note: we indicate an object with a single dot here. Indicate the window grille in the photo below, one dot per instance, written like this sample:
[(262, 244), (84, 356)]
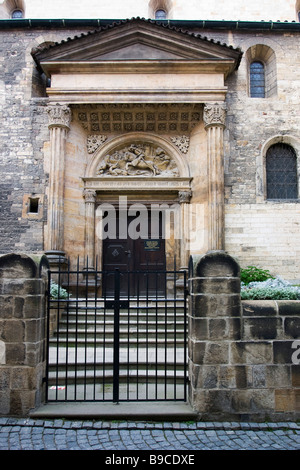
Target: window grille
[(257, 80), (281, 168)]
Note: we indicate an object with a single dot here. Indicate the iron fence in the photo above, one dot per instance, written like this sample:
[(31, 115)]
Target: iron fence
[(116, 345)]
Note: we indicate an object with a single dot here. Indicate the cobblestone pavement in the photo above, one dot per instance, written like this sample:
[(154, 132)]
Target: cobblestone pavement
[(58, 434)]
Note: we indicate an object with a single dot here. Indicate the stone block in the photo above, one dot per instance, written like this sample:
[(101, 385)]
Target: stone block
[(214, 305), (12, 331), (278, 375), (15, 353), (285, 400), (214, 264), (283, 351), (223, 329), (198, 328), (295, 371), (259, 308), (6, 307), (248, 352), (289, 308), (212, 285), (17, 266), (210, 353), (262, 328), (292, 327), (23, 287)]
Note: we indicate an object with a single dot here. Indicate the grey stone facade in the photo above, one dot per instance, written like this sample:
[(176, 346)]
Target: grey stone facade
[(250, 125)]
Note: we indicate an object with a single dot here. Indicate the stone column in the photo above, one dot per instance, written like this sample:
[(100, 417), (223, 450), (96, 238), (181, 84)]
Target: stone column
[(214, 119), (184, 198), (90, 199), (59, 125)]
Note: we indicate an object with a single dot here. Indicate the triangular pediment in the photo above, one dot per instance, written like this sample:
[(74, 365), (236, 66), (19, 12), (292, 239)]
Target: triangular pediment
[(136, 40)]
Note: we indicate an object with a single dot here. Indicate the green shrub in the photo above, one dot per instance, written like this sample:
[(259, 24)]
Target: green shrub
[(269, 293), (254, 274), (58, 292)]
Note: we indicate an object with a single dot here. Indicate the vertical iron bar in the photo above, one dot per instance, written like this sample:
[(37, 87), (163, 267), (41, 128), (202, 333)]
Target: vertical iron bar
[(95, 332), (76, 331), (139, 275), (48, 334), (128, 333), (175, 329), (166, 335), (86, 316), (147, 333), (185, 336), (156, 336), (104, 276), (67, 332), (58, 334), (116, 337)]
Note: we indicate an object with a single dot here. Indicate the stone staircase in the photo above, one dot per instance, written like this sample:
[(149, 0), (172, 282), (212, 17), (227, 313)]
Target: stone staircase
[(151, 351)]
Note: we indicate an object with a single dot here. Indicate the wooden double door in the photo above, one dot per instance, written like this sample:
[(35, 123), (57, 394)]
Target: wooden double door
[(140, 257)]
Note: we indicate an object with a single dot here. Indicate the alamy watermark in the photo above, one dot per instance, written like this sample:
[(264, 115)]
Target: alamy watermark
[(137, 220), (296, 353)]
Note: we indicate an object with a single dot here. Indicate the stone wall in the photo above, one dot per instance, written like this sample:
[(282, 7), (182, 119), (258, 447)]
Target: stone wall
[(22, 333), (257, 231), (241, 365)]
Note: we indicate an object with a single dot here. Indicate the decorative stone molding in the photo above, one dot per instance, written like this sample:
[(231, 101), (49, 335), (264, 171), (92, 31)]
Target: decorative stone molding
[(182, 142), (138, 160), (94, 142), (184, 197), (105, 119), (89, 196), (59, 115), (214, 114)]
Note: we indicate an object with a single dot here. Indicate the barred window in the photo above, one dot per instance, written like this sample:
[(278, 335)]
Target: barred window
[(257, 80), (281, 169)]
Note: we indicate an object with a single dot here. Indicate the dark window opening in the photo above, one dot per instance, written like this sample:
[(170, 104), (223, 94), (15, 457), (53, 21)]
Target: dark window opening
[(281, 168), (257, 80), (33, 205), (160, 15)]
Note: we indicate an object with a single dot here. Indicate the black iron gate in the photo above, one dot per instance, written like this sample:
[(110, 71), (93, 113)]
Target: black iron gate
[(118, 347)]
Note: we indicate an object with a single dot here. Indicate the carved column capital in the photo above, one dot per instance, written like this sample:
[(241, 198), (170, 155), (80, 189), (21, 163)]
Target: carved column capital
[(59, 116), (184, 197), (89, 196), (214, 114)]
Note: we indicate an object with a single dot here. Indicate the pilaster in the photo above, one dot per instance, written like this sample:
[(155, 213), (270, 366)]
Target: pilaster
[(214, 116), (90, 199), (59, 125)]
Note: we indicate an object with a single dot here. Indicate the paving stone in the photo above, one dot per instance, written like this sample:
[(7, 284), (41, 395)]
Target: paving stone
[(89, 435)]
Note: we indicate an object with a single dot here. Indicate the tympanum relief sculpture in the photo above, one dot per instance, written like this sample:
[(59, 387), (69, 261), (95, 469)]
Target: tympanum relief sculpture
[(138, 160)]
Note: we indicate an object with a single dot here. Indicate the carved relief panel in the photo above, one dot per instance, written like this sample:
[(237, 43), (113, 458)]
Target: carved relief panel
[(138, 159)]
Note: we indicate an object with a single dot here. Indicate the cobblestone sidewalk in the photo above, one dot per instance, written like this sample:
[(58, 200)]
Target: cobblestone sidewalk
[(30, 434)]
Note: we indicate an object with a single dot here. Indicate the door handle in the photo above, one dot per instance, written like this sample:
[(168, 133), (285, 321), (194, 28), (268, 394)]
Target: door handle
[(128, 252)]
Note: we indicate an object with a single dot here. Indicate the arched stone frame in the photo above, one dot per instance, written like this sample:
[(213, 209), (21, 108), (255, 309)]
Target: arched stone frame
[(154, 185), (141, 137), (155, 5), (297, 6), (264, 54), (261, 185), (12, 5)]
